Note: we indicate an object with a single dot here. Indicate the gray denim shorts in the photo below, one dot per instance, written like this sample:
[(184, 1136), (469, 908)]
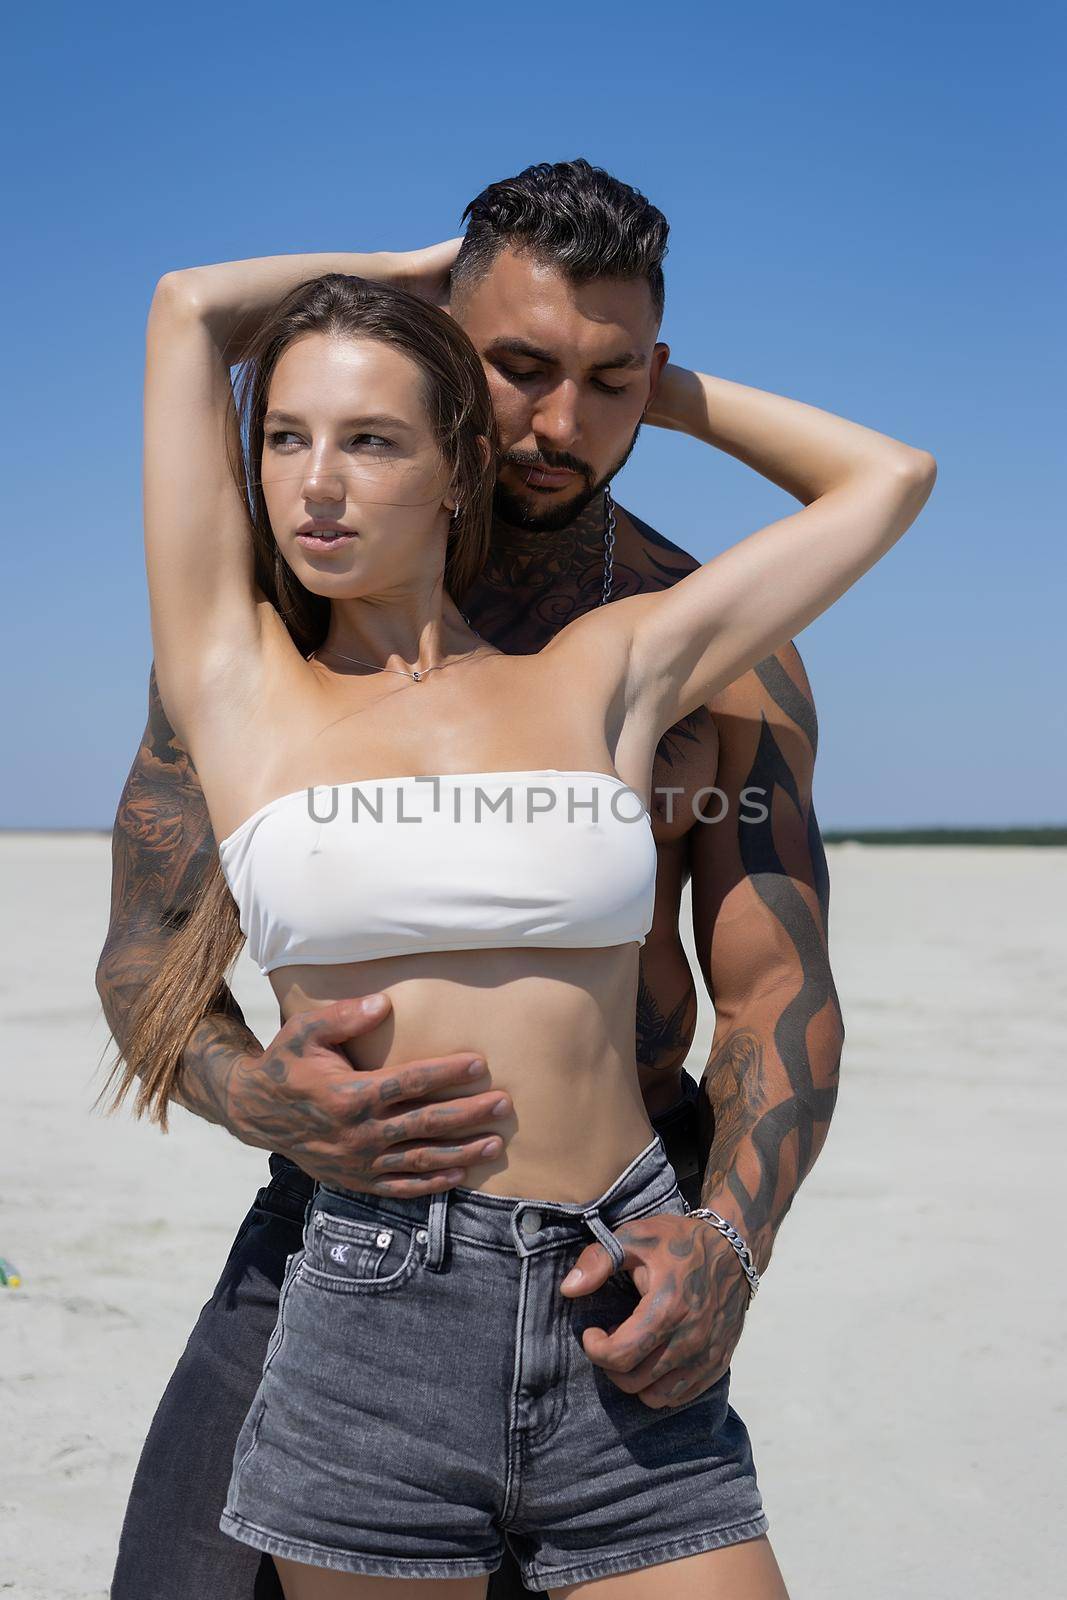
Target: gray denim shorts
[(425, 1397)]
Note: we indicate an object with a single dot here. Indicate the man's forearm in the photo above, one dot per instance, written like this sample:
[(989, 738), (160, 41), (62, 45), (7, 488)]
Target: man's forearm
[(221, 1041), (770, 1085), (211, 1068)]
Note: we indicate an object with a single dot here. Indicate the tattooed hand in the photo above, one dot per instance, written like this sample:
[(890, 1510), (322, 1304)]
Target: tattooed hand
[(680, 1338), (365, 1130)]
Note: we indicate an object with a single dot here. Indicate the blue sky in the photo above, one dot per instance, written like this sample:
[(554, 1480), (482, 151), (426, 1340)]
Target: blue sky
[(866, 214)]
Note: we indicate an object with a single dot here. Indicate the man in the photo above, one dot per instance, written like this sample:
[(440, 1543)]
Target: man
[(731, 803)]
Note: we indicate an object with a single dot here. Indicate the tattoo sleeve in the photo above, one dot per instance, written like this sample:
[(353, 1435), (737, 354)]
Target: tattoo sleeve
[(162, 842), (760, 895)]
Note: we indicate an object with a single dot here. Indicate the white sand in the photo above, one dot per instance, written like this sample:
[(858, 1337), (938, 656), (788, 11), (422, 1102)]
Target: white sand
[(901, 1374)]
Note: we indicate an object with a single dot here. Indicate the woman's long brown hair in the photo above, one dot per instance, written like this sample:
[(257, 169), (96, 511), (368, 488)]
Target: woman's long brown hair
[(191, 978)]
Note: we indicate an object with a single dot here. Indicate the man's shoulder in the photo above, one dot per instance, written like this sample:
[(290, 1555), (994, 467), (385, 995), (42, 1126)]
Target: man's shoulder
[(658, 561), (775, 690)]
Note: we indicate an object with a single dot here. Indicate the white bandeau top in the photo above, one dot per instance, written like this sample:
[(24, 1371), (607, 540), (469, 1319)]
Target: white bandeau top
[(462, 861)]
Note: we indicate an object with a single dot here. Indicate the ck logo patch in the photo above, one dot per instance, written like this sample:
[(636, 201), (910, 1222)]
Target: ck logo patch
[(339, 1252)]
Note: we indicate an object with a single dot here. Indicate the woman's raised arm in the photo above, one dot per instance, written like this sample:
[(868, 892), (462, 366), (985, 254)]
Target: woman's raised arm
[(861, 491), (205, 604), (198, 543)]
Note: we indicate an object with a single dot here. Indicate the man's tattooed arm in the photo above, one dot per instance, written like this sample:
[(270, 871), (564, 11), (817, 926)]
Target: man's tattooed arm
[(162, 843), (760, 911), (408, 1129)]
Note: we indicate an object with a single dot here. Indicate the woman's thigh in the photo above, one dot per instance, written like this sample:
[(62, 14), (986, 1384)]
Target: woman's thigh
[(746, 1571), (301, 1582)]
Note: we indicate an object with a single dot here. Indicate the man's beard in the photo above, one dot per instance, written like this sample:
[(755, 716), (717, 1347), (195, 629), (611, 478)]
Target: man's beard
[(520, 513)]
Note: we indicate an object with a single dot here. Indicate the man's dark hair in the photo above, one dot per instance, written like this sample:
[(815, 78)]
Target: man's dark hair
[(574, 216)]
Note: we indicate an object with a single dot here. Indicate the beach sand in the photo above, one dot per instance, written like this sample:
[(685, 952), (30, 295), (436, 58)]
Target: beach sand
[(902, 1369)]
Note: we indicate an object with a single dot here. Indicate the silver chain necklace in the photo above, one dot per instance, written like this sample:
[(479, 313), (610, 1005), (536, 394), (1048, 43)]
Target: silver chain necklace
[(609, 568)]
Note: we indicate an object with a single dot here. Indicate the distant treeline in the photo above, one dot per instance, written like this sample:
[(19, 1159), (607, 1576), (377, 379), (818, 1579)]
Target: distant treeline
[(1037, 836)]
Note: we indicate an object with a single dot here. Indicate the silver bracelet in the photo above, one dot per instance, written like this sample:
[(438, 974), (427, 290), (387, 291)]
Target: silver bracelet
[(732, 1237)]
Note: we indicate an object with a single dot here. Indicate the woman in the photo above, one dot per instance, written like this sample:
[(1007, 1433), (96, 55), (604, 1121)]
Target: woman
[(428, 1385)]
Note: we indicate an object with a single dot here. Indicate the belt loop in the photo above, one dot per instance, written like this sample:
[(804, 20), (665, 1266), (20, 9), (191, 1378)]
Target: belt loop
[(599, 1229), (436, 1225)]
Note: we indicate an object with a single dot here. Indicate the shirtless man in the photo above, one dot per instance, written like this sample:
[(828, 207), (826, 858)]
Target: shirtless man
[(731, 804)]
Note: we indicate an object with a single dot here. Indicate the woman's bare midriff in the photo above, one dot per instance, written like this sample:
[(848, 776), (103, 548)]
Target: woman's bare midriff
[(556, 1028)]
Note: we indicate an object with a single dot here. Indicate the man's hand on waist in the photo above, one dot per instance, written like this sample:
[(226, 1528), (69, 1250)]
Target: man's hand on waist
[(402, 1130), (680, 1337)]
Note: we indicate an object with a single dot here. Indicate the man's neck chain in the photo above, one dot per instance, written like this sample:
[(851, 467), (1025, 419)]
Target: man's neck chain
[(609, 545)]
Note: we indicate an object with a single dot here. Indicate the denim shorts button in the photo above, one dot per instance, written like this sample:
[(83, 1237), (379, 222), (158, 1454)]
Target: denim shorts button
[(422, 1236), (383, 1239), (531, 1221)]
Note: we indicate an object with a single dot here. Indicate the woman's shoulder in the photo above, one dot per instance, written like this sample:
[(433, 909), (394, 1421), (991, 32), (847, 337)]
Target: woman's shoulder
[(596, 643)]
